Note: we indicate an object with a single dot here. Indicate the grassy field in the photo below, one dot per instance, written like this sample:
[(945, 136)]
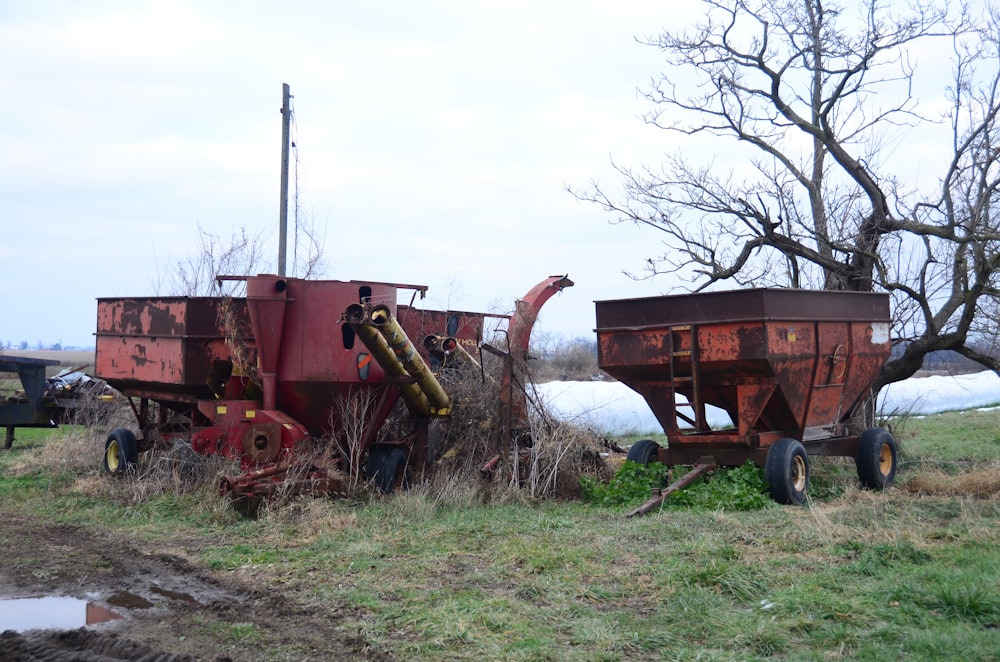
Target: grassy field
[(65, 358), (912, 573)]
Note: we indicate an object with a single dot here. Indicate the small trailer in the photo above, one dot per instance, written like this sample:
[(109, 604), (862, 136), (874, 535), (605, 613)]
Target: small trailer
[(267, 379), (33, 407), (788, 366)]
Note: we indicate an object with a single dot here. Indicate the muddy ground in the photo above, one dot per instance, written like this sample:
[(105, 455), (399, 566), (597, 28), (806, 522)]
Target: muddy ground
[(171, 609)]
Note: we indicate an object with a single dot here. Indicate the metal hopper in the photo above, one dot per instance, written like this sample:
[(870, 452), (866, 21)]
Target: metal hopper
[(788, 366)]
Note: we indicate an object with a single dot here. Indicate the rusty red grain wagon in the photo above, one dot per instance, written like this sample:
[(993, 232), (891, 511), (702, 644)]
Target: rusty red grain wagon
[(787, 366), (263, 378)]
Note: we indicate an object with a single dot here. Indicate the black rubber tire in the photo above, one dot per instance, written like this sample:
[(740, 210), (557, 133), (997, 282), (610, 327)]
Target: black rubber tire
[(876, 459), (387, 467), (121, 452), (787, 471), (643, 452)]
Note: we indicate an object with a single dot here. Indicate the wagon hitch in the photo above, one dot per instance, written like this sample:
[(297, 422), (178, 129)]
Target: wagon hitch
[(660, 495)]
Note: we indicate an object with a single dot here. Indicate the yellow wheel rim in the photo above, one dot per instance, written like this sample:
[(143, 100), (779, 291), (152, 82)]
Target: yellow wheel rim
[(799, 473), (111, 457), (885, 460)]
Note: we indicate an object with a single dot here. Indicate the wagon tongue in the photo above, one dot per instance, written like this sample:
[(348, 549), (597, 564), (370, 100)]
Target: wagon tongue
[(660, 495)]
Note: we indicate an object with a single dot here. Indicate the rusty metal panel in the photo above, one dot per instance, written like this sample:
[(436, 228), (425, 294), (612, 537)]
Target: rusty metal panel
[(721, 343), (167, 316), (466, 327), (143, 316), (825, 403), (742, 305), (869, 349), (166, 345), (792, 356), (778, 361)]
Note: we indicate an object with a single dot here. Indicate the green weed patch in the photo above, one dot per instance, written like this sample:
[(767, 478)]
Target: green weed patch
[(742, 488), (631, 485)]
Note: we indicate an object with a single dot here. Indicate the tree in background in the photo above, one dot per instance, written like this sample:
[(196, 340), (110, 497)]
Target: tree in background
[(555, 358), (808, 104), (241, 254)]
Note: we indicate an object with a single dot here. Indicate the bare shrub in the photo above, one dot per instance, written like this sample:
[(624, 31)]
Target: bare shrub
[(558, 459), (103, 412), (482, 456), (173, 469), (349, 421)]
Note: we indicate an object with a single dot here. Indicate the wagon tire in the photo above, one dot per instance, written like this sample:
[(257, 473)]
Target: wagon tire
[(787, 471), (121, 452), (387, 467), (643, 452), (876, 459)]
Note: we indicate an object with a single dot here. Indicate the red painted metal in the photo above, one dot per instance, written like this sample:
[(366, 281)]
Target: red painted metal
[(465, 327), (163, 346), (782, 363), (522, 321)]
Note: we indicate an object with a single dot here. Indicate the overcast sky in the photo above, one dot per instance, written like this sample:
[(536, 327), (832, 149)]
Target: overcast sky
[(434, 144), (435, 140)]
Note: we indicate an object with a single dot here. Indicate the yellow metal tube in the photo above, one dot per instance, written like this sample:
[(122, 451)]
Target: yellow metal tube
[(412, 394), (407, 354)]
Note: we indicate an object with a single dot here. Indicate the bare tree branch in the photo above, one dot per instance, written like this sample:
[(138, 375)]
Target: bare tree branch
[(811, 91)]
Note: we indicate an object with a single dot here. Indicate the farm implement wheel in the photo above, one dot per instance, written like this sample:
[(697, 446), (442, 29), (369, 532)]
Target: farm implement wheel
[(787, 471), (387, 467), (643, 452), (121, 452), (876, 459)]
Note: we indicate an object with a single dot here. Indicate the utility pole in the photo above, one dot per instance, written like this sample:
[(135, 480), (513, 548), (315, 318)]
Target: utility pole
[(286, 117)]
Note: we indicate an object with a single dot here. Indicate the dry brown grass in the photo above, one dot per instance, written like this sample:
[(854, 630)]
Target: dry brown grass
[(978, 483), (309, 517), (544, 464), (79, 451)]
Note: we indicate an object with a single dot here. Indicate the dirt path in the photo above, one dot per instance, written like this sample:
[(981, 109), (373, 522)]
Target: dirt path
[(171, 609)]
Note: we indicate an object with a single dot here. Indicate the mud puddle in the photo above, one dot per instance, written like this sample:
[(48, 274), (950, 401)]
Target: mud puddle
[(52, 613), (171, 607)]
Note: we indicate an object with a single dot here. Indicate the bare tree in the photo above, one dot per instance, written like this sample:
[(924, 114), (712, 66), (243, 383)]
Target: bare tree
[(818, 98), (195, 274), (241, 254)]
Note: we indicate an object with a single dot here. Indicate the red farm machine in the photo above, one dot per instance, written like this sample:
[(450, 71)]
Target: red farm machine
[(261, 379), (787, 366)]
